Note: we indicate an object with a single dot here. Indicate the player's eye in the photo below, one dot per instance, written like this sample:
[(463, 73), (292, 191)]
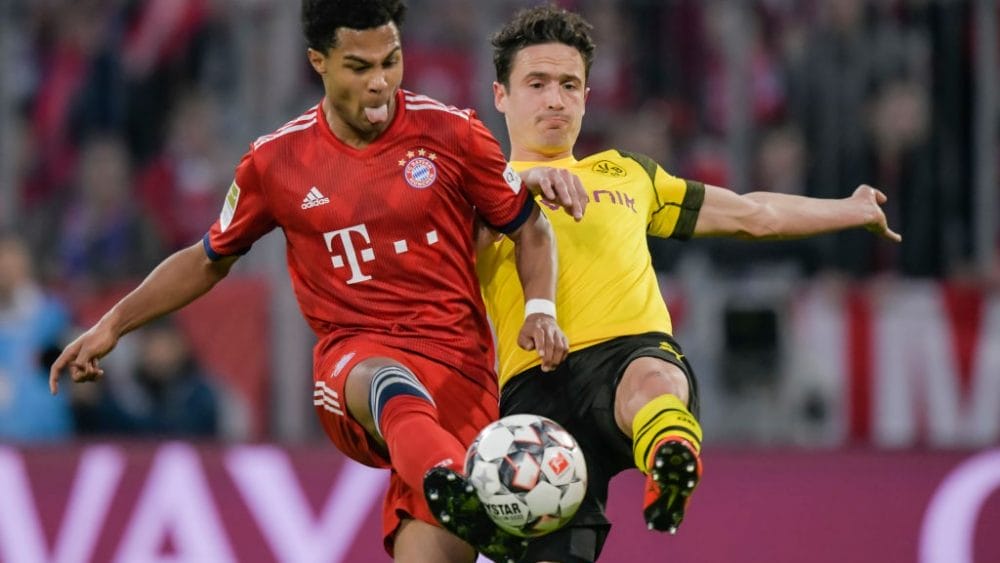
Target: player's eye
[(535, 85), (569, 85), (390, 62)]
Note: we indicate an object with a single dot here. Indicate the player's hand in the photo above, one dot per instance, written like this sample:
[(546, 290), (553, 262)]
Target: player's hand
[(871, 201), (558, 186), (82, 357), (541, 332)]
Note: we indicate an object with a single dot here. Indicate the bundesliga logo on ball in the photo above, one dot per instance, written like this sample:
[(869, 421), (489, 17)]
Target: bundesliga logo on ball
[(529, 473)]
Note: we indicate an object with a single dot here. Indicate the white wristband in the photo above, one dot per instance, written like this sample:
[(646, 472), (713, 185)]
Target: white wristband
[(543, 306)]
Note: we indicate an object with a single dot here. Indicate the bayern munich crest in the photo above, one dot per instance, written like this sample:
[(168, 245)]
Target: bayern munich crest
[(419, 169)]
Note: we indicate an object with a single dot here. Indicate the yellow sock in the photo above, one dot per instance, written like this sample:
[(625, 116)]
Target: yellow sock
[(663, 416)]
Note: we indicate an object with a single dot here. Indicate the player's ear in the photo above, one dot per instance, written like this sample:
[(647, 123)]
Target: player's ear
[(586, 98), (499, 97), (317, 60)]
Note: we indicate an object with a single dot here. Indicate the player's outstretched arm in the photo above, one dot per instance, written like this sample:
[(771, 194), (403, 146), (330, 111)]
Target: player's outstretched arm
[(559, 187), (178, 280), (535, 254), (766, 215)]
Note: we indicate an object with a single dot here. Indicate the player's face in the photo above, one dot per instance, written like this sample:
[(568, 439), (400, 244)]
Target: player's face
[(544, 103), (360, 77)]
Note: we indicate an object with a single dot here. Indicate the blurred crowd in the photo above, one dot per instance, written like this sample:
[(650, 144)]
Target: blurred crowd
[(129, 116)]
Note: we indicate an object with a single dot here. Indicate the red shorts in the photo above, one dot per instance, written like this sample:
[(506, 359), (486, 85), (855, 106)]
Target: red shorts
[(464, 408)]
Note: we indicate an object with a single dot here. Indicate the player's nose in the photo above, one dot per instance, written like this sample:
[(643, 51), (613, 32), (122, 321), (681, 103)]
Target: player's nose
[(553, 97), (378, 82)]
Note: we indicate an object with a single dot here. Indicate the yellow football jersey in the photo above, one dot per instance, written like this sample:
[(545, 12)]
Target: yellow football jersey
[(606, 286)]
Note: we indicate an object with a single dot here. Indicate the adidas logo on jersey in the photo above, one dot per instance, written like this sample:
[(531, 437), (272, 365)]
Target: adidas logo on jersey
[(314, 199)]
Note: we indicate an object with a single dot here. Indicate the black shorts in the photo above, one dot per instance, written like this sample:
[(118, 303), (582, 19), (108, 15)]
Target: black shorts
[(580, 395)]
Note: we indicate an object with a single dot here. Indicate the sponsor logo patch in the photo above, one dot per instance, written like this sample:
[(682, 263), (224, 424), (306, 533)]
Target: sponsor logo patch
[(512, 178), (229, 207)]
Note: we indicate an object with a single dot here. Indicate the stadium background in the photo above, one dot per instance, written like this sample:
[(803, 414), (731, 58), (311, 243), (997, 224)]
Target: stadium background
[(851, 387)]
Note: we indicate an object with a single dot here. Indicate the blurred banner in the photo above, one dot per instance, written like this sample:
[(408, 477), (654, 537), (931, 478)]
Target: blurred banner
[(902, 363), (186, 503)]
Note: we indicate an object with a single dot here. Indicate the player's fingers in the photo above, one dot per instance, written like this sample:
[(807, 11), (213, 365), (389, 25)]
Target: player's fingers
[(538, 337), (561, 188), (545, 185), (558, 345), (84, 373), (525, 341), (563, 347), (582, 199), (880, 196), (572, 194), (545, 349), (56, 370)]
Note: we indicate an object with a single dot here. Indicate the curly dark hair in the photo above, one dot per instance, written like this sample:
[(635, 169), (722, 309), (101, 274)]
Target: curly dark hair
[(322, 18), (536, 26)]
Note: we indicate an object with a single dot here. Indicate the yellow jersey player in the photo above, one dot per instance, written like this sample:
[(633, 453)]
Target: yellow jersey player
[(625, 391)]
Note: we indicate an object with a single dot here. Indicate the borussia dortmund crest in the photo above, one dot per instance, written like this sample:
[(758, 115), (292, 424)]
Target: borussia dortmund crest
[(609, 168)]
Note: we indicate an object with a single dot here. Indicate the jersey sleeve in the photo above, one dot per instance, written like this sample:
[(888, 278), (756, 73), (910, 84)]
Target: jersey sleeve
[(492, 185), (245, 215), (676, 204)]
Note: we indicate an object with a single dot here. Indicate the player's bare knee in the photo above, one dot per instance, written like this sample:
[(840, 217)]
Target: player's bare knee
[(647, 378)]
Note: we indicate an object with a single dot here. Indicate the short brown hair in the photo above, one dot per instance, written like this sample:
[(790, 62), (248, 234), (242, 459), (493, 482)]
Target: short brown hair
[(537, 26)]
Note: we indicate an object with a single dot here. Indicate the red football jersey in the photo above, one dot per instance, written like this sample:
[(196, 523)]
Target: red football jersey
[(379, 240)]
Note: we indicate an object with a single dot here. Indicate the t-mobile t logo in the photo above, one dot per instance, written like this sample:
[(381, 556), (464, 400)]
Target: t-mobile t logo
[(367, 254)]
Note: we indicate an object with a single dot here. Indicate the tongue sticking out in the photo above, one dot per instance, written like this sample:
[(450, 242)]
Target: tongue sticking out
[(377, 115)]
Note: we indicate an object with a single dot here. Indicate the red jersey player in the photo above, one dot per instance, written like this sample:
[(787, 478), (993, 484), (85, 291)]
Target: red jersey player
[(376, 190)]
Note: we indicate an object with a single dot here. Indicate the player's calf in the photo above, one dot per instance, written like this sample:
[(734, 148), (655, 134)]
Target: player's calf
[(453, 501)]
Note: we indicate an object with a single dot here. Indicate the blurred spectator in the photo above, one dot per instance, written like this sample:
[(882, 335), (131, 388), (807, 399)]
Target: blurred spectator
[(167, 395), (646, 131), (181, 190), (901, 125), (102, 238), (765, 90), (31, 327), (613, 78), (98, 66), (68, 39), (843, 64), (781, 161), (442, 40)]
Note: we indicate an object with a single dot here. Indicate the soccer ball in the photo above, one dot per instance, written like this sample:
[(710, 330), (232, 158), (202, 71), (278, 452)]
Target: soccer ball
[(529, 473)]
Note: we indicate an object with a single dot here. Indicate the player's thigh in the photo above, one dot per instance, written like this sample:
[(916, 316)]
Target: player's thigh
[(654, 364), (420, 542), (342, 384)]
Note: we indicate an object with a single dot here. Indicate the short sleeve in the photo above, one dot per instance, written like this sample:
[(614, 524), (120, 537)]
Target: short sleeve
[(676, 205), (492, 185), (245, 215)]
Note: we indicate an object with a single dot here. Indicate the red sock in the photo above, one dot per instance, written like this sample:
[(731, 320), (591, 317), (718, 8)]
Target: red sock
[(416, 441)]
